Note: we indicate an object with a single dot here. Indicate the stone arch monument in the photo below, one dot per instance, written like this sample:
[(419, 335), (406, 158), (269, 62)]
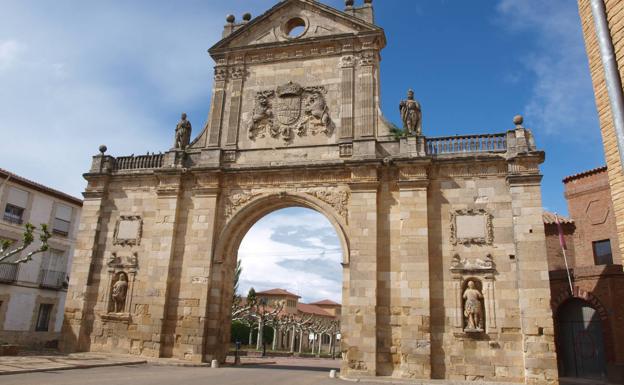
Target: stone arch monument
[(295, 121)]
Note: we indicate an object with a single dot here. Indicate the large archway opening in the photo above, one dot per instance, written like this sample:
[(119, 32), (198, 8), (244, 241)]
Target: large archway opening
[(288, 283)]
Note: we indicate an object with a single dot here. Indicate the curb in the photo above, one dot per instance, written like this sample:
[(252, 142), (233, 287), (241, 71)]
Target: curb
[(88, 366)]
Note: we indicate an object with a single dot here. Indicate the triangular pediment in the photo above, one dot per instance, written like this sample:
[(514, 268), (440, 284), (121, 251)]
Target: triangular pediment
[(314, 20)]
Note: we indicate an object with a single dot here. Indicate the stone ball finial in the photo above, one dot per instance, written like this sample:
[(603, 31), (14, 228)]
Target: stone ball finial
[(247, 16), (518, 120), (230, 18), (103, 149), (348, 3)]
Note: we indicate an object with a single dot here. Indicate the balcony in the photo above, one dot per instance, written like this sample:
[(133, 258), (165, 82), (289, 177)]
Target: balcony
[(52, 279), (8, 273)]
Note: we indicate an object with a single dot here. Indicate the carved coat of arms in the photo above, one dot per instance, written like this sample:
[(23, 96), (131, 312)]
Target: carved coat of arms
[(290, 108)]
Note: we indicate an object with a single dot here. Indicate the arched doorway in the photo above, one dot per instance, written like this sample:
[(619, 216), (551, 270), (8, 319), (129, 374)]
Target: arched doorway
[(234, 231), (291, 258), (580, 341)]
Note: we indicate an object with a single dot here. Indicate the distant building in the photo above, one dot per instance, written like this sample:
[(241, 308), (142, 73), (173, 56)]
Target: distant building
[(589, 321), (32, 295), (325, 309)]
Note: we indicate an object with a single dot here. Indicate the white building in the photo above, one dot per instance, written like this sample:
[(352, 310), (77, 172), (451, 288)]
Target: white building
[(32, 294)]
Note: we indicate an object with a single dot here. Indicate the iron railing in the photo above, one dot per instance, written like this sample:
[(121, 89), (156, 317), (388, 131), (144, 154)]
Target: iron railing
[(52, 279), (466, 144), (8, 273)]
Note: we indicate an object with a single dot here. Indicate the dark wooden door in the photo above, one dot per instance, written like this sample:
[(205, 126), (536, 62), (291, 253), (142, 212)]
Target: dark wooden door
[(580, 344)]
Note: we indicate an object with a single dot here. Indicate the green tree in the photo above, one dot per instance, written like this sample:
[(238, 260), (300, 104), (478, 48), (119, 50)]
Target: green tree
[(6, 252)]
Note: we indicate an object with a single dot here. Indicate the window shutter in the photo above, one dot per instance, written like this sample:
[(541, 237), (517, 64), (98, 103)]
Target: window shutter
[(63, 212), (18, 197)]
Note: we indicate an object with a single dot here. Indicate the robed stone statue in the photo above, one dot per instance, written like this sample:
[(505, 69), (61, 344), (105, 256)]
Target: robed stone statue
[(118, 294), (182, 133), (411, 115)]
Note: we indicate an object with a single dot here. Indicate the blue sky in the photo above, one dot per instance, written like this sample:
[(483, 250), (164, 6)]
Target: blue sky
[(77, 74)]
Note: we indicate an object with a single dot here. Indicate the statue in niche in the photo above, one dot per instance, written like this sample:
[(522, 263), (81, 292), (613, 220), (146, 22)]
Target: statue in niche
[(473, 309), (182, 133), (118, 294), (411, 115)]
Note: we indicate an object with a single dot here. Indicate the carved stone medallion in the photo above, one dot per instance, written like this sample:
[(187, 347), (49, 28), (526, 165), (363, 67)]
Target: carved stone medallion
[(290, 107)]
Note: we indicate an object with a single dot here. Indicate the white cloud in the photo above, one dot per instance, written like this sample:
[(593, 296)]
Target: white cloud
[(309, 272), (9, 50), (561, 101)]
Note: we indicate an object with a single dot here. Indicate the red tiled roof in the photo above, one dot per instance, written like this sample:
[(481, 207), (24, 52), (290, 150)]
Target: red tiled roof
[(37, 186), (585, 173), (277, 292), (550, 219), (326, 302), (312, 309)]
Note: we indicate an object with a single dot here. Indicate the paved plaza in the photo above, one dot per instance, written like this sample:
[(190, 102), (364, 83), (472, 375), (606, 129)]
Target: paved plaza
[(110, 369)]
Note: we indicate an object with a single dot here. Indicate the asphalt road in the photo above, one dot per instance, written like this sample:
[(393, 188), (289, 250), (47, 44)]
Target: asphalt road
[(156, 375)]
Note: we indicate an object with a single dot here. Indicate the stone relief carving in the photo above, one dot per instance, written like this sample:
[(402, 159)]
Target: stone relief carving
[(471, 226), (337, 198), (235, 201), (473, 308), (478, 264), (290, 109), (118, 293), (123, 261), (128, 230)]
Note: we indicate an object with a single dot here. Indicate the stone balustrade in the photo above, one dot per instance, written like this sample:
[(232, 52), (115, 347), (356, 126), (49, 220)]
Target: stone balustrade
[(136, 162), (466, 144)]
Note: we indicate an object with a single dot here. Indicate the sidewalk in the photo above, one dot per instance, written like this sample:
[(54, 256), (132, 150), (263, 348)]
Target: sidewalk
[(52, 362)]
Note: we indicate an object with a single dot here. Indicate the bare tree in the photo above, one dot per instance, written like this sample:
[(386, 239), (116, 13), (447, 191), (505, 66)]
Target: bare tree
[(28, 238)]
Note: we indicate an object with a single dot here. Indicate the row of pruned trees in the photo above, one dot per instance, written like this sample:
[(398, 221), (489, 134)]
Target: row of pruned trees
[(289, 330)]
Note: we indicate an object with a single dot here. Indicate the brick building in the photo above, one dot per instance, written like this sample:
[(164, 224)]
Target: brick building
[(589, 324)]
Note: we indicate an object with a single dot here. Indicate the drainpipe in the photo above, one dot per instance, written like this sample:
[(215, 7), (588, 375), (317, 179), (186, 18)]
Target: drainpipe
[(612, 75)]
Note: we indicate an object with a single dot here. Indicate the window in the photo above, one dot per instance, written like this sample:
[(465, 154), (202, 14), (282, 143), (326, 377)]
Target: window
[(16, 204), (43, 318), (62, 219), (53, 268), (602, 252)]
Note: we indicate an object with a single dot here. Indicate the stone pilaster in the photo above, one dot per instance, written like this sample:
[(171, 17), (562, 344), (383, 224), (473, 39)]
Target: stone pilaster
[(198, 264), (346, 103), (162, 253), (236, 96), (365, 112), (216, 107), (82, 293), (410, 276), (540, 360), (359, 341)]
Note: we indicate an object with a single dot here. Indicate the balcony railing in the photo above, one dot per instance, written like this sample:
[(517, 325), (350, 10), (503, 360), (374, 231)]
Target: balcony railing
[(138, 162), (467, 144), (52, 279), (8, 273)]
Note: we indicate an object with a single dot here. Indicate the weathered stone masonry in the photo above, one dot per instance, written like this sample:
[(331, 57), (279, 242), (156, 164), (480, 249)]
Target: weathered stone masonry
[(295, 121)]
